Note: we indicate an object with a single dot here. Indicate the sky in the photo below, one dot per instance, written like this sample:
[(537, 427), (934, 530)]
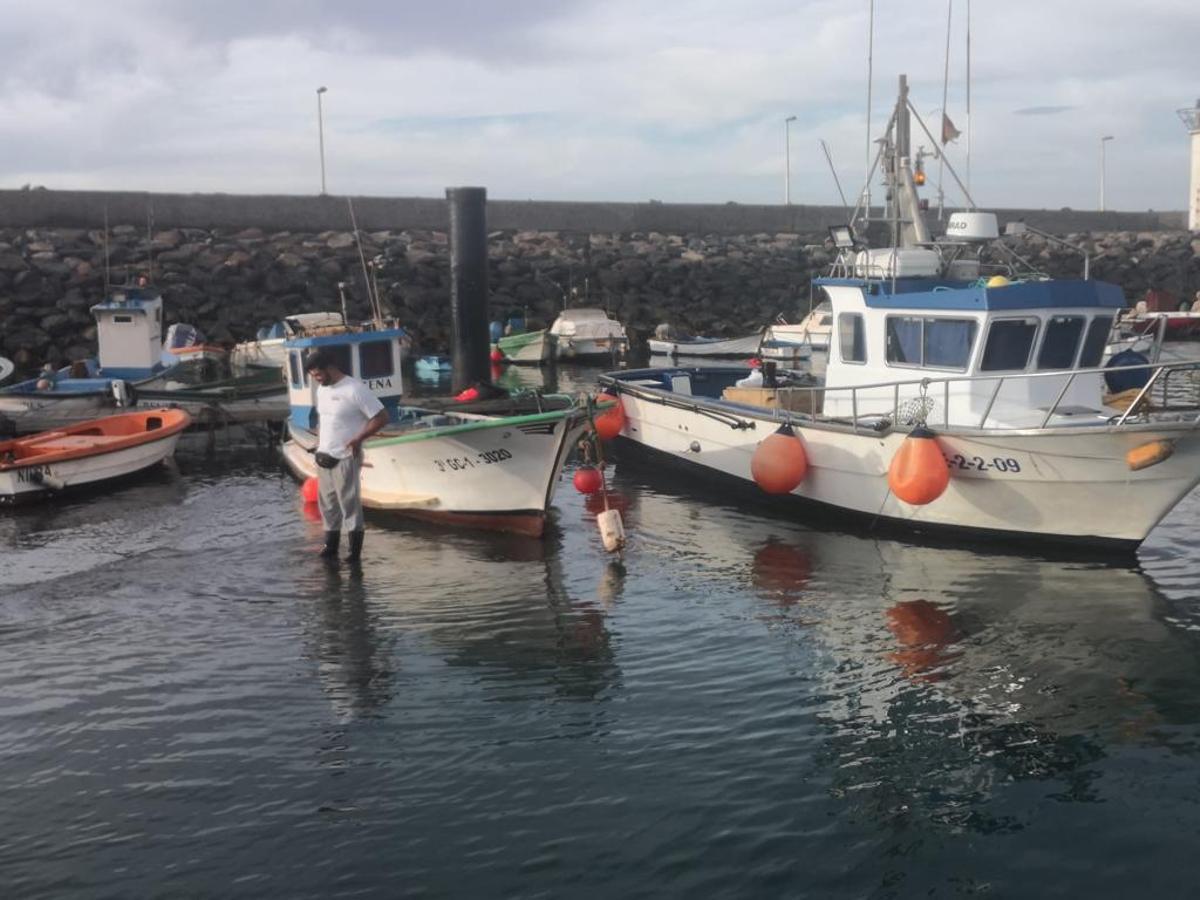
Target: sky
[(599, 100)]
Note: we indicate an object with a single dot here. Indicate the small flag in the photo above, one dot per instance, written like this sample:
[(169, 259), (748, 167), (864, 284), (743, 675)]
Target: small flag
[(949, 132)]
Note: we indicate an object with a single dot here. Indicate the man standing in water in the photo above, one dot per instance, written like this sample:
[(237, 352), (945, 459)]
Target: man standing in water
[(348, 414)]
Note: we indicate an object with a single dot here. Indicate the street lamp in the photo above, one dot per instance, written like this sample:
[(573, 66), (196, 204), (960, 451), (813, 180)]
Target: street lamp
[(1104, 140), (321, 134), (787, 160)]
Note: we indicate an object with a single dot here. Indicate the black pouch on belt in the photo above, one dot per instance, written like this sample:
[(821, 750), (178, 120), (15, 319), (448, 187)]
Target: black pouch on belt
[(325, 461)]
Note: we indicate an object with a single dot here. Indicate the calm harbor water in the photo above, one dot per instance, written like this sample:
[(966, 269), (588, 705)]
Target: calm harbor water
[(192, 705)]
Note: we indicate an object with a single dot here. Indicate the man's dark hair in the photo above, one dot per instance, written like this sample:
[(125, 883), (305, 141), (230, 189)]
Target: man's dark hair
[(320, 359)]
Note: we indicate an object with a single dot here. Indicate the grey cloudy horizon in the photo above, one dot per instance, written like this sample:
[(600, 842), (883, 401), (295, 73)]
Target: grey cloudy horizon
[(591, 99)]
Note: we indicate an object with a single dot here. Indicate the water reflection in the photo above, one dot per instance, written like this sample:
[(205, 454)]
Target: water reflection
[(354, 659)]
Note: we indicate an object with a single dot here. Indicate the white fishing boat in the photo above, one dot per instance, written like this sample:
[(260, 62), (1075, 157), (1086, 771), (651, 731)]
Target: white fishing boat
[(6, 369), (129, 334), (583, 335), (528, 348), (951, 404), (813, 331), (87, 453), (667, 341), (267, 349), (492, 464)]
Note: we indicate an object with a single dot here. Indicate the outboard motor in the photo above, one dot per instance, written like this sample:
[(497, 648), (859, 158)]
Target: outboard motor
[(122, 393)]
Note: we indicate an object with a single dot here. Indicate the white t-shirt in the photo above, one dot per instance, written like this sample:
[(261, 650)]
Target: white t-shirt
[(344, 408)]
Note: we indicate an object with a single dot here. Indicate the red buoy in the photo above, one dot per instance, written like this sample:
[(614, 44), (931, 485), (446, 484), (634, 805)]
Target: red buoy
[(609, 422), (779, 463), (467, 395), (588, 480), (309, 490), (918, 473), (497, 355)]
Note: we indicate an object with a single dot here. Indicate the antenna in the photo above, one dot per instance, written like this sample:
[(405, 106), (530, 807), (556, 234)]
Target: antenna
[(107, 266), (372, 301), (833, 172), (870, 80), (968, 172), (150, 241), (945, 114)]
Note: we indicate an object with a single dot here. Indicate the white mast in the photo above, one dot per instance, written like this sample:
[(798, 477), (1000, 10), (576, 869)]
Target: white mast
[(870, 74), (1191, 120), (968, 129), (945, 112)]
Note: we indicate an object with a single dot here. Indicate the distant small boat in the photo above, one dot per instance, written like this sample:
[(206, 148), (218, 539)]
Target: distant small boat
[(814, 330), (527, 348), (267, 349), (88, 453), (6, 369), (664, 344), (587, 334)]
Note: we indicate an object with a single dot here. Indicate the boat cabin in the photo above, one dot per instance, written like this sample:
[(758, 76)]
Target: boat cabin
[(981, 335), (129, 331), (372, 355)]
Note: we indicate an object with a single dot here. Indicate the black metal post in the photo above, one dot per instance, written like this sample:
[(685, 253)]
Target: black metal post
[(471, 347)]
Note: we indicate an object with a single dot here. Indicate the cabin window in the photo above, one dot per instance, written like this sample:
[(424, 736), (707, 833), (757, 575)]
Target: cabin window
[(1093, 344), (929, 342), (852, 338), (342, 357), (123, 320), (904, 341), (1008, 345), (375, 359), (294, 366), (947, 343), (1060, 342)]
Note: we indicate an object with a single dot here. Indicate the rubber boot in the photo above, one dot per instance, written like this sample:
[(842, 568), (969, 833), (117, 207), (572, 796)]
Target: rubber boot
[(356, 542), (330, 550)]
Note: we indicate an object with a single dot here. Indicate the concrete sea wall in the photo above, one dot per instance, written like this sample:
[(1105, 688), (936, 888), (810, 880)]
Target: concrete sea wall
[(245, 268)]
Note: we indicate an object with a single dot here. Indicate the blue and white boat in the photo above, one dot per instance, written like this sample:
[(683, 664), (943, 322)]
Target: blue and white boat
[(129, 331), (492, 464), (1033, 439)]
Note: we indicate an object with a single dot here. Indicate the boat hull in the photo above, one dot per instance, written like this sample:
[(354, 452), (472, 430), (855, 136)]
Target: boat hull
[(37, 477), (817, 339), (499, 478), (1056, 485), (582, 350), (530, 350), (733, 348), (29, 413)]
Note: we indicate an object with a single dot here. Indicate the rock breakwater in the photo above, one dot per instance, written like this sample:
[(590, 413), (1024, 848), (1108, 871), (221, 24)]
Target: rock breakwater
[(229, 282)]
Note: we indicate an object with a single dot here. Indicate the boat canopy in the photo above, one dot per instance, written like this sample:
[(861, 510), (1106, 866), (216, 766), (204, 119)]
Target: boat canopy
[(939, 294)]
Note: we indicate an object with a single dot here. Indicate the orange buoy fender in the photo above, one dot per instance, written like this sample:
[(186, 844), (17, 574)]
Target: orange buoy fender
[(609, 422), (779, 463), (1147, 455), (309, 490), (918, 473)]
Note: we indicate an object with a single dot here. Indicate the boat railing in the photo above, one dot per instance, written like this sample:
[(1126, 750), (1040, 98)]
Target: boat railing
[(1174, 386), (1169, 387)]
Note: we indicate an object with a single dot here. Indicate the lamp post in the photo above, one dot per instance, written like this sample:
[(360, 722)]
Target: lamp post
[(787, 160), (1104, 140), (321, 134)]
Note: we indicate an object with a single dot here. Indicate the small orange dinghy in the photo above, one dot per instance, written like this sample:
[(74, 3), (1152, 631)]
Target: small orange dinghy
[(88, 453)]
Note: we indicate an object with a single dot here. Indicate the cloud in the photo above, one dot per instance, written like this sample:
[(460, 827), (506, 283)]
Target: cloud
[(1041, 110), (591, 99)]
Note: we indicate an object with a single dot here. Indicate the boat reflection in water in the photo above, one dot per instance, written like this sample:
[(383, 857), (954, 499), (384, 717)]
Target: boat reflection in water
[(511, 617), (939, 674)]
